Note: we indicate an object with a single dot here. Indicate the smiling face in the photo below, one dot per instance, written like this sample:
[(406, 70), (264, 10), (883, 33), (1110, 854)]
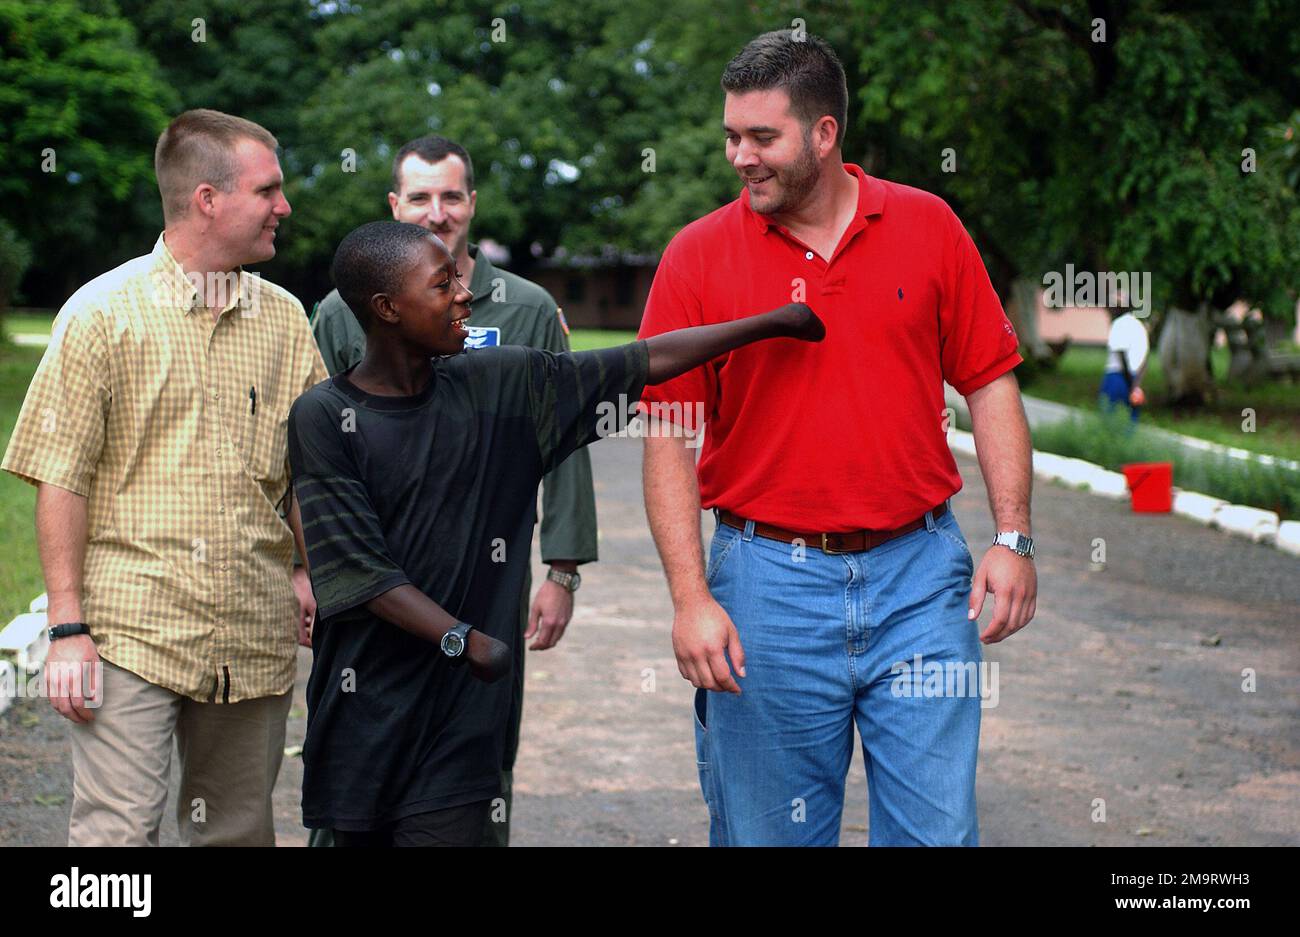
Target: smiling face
[(437, 197), (244, 220), (431, 306), (771, 150)]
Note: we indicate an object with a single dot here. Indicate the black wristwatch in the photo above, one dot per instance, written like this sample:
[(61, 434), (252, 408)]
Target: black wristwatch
[(68, 630), (455, 642)]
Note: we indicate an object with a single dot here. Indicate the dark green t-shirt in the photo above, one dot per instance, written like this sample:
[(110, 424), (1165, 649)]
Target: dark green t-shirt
[(438, 490)]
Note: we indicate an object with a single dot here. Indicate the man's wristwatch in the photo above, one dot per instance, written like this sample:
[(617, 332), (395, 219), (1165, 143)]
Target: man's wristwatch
[(68, 630), (1016, 542), (570, 581), (455, 641)]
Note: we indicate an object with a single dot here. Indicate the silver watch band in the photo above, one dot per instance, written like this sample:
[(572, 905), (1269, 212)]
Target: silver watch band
[(570, 581), (1016, 542)]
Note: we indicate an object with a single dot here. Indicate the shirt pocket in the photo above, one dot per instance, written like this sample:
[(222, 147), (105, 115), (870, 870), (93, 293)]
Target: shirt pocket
[(265, 440), (267, 445)]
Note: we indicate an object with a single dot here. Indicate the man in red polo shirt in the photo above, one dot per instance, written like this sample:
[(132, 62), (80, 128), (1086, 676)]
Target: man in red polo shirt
[(839, 584)]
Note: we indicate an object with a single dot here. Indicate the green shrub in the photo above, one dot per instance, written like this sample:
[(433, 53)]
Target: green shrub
[(1110, 440), (15, 258)]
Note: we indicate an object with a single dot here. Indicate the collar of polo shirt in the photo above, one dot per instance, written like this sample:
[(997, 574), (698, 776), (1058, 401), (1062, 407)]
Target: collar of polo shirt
[(871, 199)]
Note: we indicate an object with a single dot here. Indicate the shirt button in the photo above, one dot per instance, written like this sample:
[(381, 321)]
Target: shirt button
[(808, 256), (216, 396), (221, 510)]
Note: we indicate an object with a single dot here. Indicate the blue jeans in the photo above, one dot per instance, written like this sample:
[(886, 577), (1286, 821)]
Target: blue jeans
[(1114, 392), (830, 640)]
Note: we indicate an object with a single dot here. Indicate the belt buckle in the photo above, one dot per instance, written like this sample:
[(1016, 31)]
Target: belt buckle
[(828, 550)]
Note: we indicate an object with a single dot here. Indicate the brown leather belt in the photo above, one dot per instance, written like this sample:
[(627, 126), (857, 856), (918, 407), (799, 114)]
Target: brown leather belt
[(856, 541)]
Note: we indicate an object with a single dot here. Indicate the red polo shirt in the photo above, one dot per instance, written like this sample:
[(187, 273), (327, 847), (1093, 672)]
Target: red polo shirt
[(844, 434)]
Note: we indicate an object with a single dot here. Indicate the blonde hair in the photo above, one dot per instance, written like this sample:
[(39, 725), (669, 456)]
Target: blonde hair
[(197, 147)]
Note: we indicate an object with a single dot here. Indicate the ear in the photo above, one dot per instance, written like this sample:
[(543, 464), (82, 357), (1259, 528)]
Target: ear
[(203, 200), (393, 199), (824, 133), (383, 310), (473, 202)]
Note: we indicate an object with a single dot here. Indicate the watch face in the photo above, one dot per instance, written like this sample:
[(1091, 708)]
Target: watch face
[(452, 644), (1016, 542)]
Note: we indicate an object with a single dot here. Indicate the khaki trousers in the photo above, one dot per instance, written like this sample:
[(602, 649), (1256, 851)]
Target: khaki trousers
[(230, 755)]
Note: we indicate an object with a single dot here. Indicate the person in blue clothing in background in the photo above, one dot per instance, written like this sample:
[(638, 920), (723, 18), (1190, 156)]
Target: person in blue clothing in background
[(1127, 353)]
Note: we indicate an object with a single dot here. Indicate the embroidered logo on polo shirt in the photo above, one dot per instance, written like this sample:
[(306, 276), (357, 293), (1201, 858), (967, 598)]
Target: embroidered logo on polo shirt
[(900, 294), (483, 337)]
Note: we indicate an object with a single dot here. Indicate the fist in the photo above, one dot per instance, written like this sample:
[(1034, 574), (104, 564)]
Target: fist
[(801, 322), (1137, 397)]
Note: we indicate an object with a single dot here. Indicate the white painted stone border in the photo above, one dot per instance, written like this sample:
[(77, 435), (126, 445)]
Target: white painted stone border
[(27, 638), (1260, 526), (7, 678)]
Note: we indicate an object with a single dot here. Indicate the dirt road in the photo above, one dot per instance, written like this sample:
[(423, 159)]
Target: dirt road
[(1127, 686)]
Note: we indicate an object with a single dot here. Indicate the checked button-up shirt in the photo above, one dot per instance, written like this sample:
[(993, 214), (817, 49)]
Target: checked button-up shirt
[(173, 424)]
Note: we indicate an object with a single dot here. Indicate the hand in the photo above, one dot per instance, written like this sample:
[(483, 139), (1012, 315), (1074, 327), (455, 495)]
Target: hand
[(1014, 582), (701, 634), (306, 605), (66, 675), (489, 659), (1137, 397), (549, 615), (799, 321)]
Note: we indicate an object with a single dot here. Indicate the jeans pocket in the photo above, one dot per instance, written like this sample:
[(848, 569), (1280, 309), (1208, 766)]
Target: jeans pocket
[(701, 710), (950, 530), (724, 541), (702, 761)]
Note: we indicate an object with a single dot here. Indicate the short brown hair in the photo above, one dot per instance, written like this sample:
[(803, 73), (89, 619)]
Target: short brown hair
[(197, 147), (432, 149), (807, 69)]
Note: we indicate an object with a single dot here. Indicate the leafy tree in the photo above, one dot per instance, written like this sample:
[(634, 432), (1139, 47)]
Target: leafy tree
[(80, 109), (1115, 148), (590, 125), (257, 59), (15, 258)]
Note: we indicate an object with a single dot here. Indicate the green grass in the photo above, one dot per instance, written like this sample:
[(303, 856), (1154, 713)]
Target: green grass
[(590, 339), (1108, 440), (1276, 405), (20, 568), (28, 321)]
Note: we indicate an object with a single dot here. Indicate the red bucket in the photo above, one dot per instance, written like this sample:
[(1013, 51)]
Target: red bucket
[(1151, 485)]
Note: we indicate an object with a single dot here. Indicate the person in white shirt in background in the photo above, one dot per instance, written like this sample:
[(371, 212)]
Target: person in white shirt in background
[(1127, 350)]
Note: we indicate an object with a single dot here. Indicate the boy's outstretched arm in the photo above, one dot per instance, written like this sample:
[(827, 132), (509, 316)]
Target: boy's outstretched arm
[(411, 610), (677, 352)]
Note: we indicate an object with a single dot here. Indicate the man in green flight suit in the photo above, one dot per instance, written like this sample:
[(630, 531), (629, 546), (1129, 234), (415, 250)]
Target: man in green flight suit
[(433, 186)]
